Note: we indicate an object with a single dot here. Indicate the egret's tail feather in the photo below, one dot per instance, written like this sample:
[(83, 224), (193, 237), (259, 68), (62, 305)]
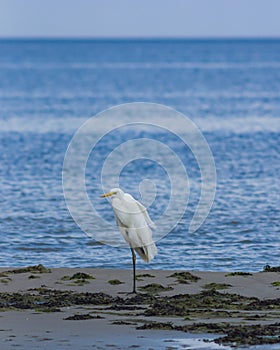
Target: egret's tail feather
[(147, 252)]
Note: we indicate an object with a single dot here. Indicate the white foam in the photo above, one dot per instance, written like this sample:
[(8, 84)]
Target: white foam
[(140, 65), (69, 124)]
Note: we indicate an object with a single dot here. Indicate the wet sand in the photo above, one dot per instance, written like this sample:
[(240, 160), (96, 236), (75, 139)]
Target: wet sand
[(64, 308)]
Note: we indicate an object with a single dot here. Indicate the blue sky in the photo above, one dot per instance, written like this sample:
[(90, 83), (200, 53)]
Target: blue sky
[(139, 18)]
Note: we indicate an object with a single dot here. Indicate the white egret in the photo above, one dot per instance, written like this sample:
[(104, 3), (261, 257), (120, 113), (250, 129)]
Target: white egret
[(135, 225)]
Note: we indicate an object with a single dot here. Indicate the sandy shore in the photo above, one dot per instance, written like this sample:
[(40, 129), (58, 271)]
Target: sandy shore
[(65, 308)]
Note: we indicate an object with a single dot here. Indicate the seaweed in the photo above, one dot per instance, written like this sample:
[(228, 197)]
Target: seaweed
[(184, 277), (145, 275), (115, 282), (79, 278), (237, 335), (32, 269), (78, 317), (180, 305), (238, 315), (216, 286), (42, 297), (154, 288), (5, 280), (33, 277), (238, 273), (268, 268), (140, 277)]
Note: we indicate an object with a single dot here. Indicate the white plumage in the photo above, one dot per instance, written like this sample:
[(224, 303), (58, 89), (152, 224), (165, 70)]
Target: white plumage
[(134, 224)]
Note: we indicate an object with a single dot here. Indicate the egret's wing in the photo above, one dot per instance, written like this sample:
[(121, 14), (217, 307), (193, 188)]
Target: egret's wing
[(135, 226), (118, 221), (123, 229), (146, 215), (139, 237), (147, 249)]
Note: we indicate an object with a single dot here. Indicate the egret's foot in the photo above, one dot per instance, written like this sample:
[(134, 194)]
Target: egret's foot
[(133, 292), (129, 293)]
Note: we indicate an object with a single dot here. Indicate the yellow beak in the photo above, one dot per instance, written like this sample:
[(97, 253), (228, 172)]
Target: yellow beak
[(107, 194)]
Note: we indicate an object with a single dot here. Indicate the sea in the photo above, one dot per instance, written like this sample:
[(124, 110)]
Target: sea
[(230, 89)]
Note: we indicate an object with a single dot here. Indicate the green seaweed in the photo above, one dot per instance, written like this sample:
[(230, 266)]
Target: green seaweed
[(65, 278), (155, 288), (5, 280), (143, 275), (241, 313), (210, 314), (33, 277), (82, 276), (216, 286), (115, 282), (236, 335), (276, 284), (180, 305), (32, 269), (42, 297), (4, 274), (238, 273), (157, 325), (268, 268), (79, 278), (79, 317), (184, 277)]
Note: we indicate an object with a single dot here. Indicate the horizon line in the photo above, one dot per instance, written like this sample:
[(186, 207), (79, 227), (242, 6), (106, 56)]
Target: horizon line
[(138, 38)]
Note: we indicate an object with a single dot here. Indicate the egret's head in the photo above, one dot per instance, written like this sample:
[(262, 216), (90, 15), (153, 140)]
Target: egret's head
[(114, 192)]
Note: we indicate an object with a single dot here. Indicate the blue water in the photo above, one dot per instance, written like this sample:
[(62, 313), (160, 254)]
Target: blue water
[(230, 89)]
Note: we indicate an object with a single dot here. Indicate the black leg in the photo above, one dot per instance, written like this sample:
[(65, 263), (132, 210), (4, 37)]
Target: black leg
[(134, 270)]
